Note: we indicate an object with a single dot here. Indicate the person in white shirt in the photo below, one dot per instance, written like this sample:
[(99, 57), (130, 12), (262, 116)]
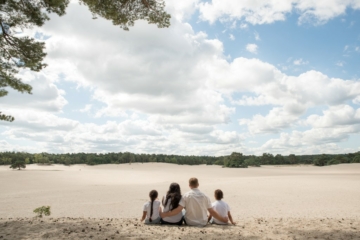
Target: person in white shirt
[(151, 209), (170, 202), (196, 204), (221, 207)]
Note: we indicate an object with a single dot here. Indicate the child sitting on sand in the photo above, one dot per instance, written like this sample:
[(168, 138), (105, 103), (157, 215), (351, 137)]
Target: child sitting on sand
[(151, 209), (221, 207)]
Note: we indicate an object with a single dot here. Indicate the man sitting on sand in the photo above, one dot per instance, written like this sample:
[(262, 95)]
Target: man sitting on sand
[(196, 205)]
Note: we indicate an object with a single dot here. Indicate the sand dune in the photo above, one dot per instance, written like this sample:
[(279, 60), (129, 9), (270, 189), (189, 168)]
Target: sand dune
[(299, 195)]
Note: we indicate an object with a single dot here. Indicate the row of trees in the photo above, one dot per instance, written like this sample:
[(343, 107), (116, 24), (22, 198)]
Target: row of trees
[(235, 160)]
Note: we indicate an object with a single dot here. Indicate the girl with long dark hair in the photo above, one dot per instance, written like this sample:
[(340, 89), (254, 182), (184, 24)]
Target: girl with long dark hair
[(151, 209), (170, 202)]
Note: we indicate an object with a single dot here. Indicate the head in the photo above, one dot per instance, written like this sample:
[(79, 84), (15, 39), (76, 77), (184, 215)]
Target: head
[(153, 195), (173, 195), (174, 188), (219, 194), (193, 183)]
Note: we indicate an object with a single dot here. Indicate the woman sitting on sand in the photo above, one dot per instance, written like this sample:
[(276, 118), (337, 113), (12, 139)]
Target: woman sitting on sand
[(170, 202)]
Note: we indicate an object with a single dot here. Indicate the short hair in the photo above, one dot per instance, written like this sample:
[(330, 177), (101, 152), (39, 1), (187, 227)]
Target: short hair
[(193, 182), (219, 194)]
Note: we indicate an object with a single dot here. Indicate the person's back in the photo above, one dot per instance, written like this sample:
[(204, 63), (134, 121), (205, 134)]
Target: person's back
[(196, 204), (222, 208)]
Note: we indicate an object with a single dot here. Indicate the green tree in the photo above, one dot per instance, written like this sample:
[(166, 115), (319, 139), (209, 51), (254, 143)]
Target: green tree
[(18, 53), (292, 159), (321, 160), (18, 165), (267, 158), (235, 160), (252, 161), (356, 159), (279, 159)]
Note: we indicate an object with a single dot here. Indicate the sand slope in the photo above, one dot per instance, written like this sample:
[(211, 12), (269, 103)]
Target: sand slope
[(119, 191), (270, 202), (273, 228)]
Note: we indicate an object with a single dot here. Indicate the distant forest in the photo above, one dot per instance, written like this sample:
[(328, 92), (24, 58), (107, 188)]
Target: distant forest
[(234, 160)]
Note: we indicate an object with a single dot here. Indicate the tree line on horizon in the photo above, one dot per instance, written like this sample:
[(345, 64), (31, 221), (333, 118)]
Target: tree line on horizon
[(234, 160)]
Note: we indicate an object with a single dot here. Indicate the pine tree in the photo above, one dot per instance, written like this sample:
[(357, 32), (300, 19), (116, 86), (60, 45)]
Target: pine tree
[(18, 53)]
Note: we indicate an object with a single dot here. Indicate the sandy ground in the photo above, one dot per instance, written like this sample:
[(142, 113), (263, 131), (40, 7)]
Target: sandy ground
[(296, 202)]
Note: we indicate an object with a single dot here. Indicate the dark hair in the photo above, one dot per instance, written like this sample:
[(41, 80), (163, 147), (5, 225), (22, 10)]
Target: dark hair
[(174, 195), (153, 195), (219, 194), (193, 182)]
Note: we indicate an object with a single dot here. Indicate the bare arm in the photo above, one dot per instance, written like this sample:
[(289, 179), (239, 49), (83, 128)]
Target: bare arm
[(209, 217), (172, 212), (143, 216), (230, 218), (217, 216)]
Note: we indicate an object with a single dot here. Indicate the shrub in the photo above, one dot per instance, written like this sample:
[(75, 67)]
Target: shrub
[(18, 165), (44, 210)]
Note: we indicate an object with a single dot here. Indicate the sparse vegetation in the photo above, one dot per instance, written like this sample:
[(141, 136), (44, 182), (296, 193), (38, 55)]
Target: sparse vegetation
[(44, 210)]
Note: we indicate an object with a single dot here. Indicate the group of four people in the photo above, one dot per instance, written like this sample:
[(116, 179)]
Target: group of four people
[(190, 208)]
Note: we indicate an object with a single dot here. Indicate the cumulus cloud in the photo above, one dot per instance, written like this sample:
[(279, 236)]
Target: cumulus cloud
[(170, 90), (45, 94), (300, 62), (265, 12), (251, 47)]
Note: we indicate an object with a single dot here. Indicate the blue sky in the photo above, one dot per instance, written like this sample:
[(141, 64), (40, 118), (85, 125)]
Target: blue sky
[(252, 77)]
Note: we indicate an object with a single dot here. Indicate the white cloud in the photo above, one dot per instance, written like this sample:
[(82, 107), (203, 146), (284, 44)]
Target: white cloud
[(232, 37), (173, 89), (340, 63), (251, 47), (265, 12), (335, 116), (243, 26), (87, 108), (257, 36), (274, 122), (45, 94), (300, 62)]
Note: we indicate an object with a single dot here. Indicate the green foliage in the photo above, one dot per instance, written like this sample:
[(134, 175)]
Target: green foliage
[(333, 162), (292, 159), (235, 160), (124, 13), (18, 53), (267, 158), (22, 52), (44, 210), (356, 159), (321, 160), (252, 161), (18, 164)]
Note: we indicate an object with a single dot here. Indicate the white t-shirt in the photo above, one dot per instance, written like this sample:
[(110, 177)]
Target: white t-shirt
[(172, 219), (222, 208), (196, 205), (147, 209)]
